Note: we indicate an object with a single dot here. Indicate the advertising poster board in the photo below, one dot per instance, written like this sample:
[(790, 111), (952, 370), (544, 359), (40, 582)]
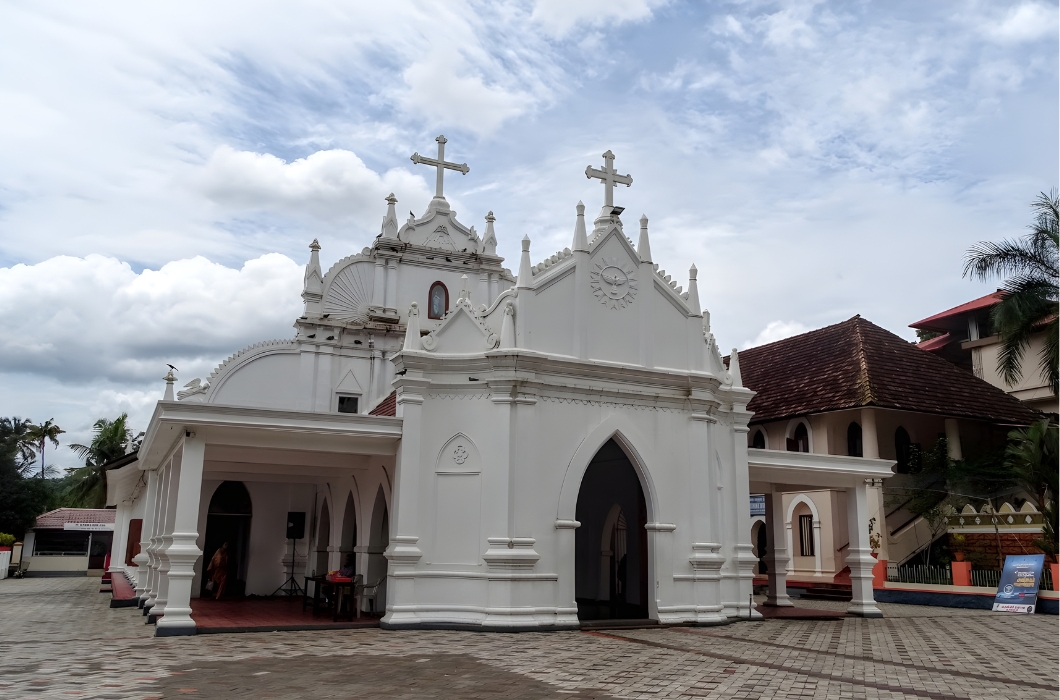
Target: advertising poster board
[(1018, 589)]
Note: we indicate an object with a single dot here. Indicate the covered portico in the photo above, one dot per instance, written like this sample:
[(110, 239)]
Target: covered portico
[(336, 468), (775, 472)]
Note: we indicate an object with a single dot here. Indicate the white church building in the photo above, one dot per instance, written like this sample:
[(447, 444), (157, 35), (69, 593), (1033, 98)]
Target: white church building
[(497, 451)]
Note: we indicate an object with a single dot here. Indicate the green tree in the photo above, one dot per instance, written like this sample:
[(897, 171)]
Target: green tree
[(1033, 459), (21, 499), (111, 439), (39, 435), (1030, 303)]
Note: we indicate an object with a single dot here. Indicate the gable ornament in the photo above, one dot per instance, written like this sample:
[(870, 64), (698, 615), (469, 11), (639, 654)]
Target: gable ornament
[(613, 283)]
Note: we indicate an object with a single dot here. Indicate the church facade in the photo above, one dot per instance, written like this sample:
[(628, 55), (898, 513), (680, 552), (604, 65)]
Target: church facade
[(487, 450)]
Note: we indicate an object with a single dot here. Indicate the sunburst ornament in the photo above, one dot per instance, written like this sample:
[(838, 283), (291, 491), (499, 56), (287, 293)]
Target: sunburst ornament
[(612, 283)]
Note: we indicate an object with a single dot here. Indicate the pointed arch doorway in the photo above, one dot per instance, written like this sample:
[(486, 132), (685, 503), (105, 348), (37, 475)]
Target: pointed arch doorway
[(611, 545)]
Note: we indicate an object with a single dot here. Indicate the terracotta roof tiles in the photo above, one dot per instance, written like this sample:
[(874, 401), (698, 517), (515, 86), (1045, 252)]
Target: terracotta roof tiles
[(856, 363), (55, 519)]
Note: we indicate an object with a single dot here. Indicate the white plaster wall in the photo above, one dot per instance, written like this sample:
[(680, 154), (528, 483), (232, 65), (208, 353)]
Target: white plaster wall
[(268, 381)]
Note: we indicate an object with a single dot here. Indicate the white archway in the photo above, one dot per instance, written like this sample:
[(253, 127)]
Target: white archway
[(808, 502), (794, 423)]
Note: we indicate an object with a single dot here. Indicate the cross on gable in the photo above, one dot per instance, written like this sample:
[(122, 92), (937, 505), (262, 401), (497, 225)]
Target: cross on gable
[(609, 176), (441, 165)]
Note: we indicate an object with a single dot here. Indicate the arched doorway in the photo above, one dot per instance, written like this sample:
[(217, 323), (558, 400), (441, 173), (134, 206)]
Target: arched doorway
[(611, 545), (320, 566), (349, 535), (228, 520), (379, 538)]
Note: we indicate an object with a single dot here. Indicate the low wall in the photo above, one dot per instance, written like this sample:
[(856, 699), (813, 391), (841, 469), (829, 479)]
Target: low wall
[(973, 597), (43, 565)]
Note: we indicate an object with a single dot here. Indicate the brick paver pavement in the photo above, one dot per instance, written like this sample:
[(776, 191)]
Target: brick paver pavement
[(58, 639)]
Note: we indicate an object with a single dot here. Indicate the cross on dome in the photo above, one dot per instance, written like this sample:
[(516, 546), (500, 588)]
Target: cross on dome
[(441, 164), (609, 176)]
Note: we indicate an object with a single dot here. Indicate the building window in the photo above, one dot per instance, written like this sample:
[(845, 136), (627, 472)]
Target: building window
[(806, 535), (759, 440), (854, 445), (800, 441), (906, 453), (437, 301), (347, 404)]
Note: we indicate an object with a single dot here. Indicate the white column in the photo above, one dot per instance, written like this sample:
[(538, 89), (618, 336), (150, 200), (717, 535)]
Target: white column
[(165, 531), (777, 558), (156, 538), (146, 531), (183, 550), (817, 547), (391, 285), (870, 443), (379, 286), (790, 568), (859, 557), (953, 439), (483, 290), (120, 544)]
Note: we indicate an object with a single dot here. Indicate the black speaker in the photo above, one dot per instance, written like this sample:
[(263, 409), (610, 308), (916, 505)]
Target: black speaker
[(295, 526)]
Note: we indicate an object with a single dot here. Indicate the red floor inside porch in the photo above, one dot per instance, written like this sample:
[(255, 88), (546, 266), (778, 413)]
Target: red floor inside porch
[(265, 615)]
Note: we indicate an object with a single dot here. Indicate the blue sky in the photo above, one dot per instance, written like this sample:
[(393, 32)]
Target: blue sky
[(163, 167)]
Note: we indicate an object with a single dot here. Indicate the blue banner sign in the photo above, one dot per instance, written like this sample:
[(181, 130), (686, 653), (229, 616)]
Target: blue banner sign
[(1018, 589)]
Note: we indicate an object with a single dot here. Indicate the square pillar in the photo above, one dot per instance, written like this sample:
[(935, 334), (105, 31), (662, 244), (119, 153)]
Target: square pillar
[(777, 557), (182, 550), (142, 559), (859, 557)]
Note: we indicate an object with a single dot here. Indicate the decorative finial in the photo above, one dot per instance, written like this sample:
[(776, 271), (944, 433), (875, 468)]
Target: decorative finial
[(389, 228), (391, 199), (525, 272), (734, 369), (610, 178), (581, 240), (314, 246), (643, 246), (412, 329), (489, 239), (508, 327), (170, 378), (464, 291), (693, 291), (313, 286)]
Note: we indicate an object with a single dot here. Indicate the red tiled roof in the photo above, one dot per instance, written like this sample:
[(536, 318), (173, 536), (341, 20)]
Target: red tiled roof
[(856, 363), (936, 343), (386, 407), (936, 322), (55, 519)]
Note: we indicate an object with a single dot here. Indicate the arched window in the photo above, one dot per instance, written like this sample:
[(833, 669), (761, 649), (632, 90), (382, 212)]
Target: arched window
[(800, 441), (904, 452), (437, 301), (854, 445), (759, 440)]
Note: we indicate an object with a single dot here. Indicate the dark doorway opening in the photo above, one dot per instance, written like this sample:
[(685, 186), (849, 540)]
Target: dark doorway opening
[(228, 520), (611, 545)]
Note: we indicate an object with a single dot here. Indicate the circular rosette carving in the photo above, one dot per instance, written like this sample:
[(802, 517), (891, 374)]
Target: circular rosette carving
[(613, 282), (429, 342), (350, 293)]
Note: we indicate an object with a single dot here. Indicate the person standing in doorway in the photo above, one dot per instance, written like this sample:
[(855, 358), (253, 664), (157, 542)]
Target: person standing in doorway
[(218, 571)]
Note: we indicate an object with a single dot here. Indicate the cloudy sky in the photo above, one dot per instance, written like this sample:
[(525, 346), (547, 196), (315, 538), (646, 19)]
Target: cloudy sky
[(163, 166)]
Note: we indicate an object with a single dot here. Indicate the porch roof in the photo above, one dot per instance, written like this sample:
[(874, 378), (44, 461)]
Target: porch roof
[(799, 471), (246, 426)]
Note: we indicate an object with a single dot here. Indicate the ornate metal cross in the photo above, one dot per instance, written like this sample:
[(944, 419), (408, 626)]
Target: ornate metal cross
[(609, 177), (440, 164)]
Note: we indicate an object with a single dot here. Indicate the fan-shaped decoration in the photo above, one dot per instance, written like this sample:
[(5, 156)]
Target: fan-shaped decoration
[(350, 292)]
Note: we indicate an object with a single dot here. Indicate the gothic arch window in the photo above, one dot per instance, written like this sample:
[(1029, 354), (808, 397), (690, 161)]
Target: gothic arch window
[(904, 452), (800, 439), (759, 440), (437, 301), (855, 448)]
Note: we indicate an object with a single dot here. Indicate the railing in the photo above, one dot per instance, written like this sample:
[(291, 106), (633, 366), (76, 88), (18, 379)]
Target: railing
[(986, 578), (937, 575)]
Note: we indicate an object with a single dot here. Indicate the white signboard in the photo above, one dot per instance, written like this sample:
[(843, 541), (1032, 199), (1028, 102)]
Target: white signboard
[(93, 527)]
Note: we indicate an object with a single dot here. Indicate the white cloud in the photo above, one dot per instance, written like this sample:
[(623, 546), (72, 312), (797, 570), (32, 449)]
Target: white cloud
[(333, 184), (84, 319), (560, 16), (1027, 21), (774, 331)]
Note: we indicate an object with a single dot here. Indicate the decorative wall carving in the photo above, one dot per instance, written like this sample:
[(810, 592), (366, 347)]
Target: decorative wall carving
[(350, 293), (613, 283)]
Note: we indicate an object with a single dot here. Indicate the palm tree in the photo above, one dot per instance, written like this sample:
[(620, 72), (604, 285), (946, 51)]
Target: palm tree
[(111, 439), (1032, 454), (40, 434), (1029, 304), (18, 431)]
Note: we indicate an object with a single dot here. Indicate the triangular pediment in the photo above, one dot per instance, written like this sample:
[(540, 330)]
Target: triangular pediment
[(461, 332), (439, 229), (349, 384)]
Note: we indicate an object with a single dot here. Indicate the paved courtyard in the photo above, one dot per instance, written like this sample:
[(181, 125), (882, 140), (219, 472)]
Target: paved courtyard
[(58, 639)]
